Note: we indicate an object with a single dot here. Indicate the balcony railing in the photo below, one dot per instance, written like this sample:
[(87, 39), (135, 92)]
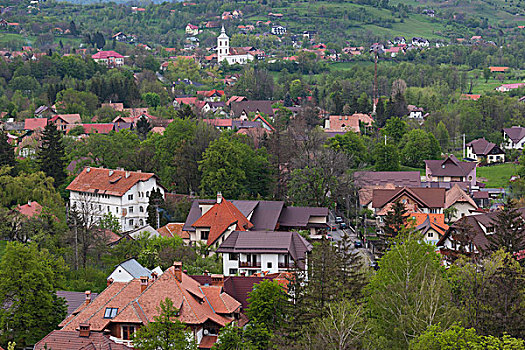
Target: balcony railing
[(249, 264)]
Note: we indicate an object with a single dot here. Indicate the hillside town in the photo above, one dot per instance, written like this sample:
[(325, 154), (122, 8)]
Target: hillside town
[(251, 175)]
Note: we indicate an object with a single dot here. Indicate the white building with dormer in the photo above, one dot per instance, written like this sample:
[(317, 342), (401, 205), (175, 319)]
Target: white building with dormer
[(232, 55), (124, 194)]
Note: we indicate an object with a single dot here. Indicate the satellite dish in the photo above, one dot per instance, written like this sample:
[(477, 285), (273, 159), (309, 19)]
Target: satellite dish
[(206, 332)]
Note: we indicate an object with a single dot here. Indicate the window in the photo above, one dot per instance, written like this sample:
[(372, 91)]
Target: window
[(269, 264), (147, 193), (233, 272), (141, 209), (127, 332), (233, 256), (109, 209), (110, 312), (130, 197), (430, 234), (131, 209), (131, 222), (116, 209), (205, 234), (141, 222)]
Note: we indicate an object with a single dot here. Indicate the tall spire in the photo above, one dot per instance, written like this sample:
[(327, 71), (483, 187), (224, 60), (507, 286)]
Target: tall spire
[(222, 30)]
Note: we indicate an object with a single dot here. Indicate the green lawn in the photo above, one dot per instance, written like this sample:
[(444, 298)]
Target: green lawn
[(496, 175)]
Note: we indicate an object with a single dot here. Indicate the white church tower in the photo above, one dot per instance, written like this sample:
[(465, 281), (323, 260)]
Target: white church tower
[(223, 46)]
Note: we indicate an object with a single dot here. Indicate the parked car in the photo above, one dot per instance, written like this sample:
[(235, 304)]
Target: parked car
[(333, 227), (338, 219), (358, 244), (343, 225)]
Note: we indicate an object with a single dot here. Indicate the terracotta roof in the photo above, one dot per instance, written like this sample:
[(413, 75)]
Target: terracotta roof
[(197, 304), (498, 69), (172, 230), (381, 178), (425, 222), (30, 209), (210, 93), (35, 123), (208, 341), (107, 181), (456, 195), (349, 122), (426, 197), (235, 99), (221, 216), (516, 133), (70, 340), (450, 166), (473, 97), (261, 119), (186, 100), (67, 118), (98, 128), (106, 55)]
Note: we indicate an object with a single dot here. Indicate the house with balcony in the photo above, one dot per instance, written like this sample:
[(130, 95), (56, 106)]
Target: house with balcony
[(251, 252), (211, 221), (121, 193), (123, 307)]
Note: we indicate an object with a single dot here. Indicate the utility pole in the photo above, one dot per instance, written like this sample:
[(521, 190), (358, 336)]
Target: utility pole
[(375, 98), (463, 146)]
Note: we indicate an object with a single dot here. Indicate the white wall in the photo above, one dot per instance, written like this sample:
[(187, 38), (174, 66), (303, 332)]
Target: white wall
[(120, 275)]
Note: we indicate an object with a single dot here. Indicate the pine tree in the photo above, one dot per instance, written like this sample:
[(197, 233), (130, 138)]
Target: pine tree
[(51, 154), (156, 204), (509, 228), (352, 276), (395, 220), (143, 127), (7, 156)]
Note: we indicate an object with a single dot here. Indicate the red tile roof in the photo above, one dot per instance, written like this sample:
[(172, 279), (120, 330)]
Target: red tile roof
[(186, 100), (197, 304), (98, 128), (67, 118), (210, 93), (172, 230), (208, 341), (35, 123), (349, 122), (70, 340), (106, 54), (498, 69), (30, 209), (221, 216), (107, 181)]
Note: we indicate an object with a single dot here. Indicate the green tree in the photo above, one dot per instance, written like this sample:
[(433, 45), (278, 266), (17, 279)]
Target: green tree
[(72, 101), (152, 99), (7, 154), (266, 303), (351, 144), (166, 332), (487, 74), (29, 279), (509, 228), (395, 220), (418, 146), (232, 167), (51, 155), (394, 130), (156, 205), (232, 337), (442, 135), (143, 127), (386, 157), (460, 338), (408, 294), (110, 222)]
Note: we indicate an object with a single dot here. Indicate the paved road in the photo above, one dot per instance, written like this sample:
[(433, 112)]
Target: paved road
[(338, 233)]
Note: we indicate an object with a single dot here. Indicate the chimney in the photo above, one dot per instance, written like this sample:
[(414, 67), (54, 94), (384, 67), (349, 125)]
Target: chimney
[(219, 197), (217, 280), (88, 169), (143, 283), (29, 203), (177, 268), (88, 297), (84, 330), (109, 282), (127, 174), (154, 276)]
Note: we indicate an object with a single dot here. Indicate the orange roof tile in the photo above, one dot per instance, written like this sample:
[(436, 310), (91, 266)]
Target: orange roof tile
[(107, 181), (30, 209), (221, 216), (173, 229)]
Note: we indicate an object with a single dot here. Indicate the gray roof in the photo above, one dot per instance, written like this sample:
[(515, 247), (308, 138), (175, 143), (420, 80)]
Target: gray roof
[(516, 133), (262, 106), (299, 216), (74, 299), (450, 166), (267, 242), (381, 178), (134, 268)]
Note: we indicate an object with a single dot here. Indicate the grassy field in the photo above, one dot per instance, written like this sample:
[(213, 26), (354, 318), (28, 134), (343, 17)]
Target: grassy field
[(497, 175)]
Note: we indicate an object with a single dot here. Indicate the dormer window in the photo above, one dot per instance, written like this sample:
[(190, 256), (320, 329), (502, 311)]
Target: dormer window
[(110, 312)]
